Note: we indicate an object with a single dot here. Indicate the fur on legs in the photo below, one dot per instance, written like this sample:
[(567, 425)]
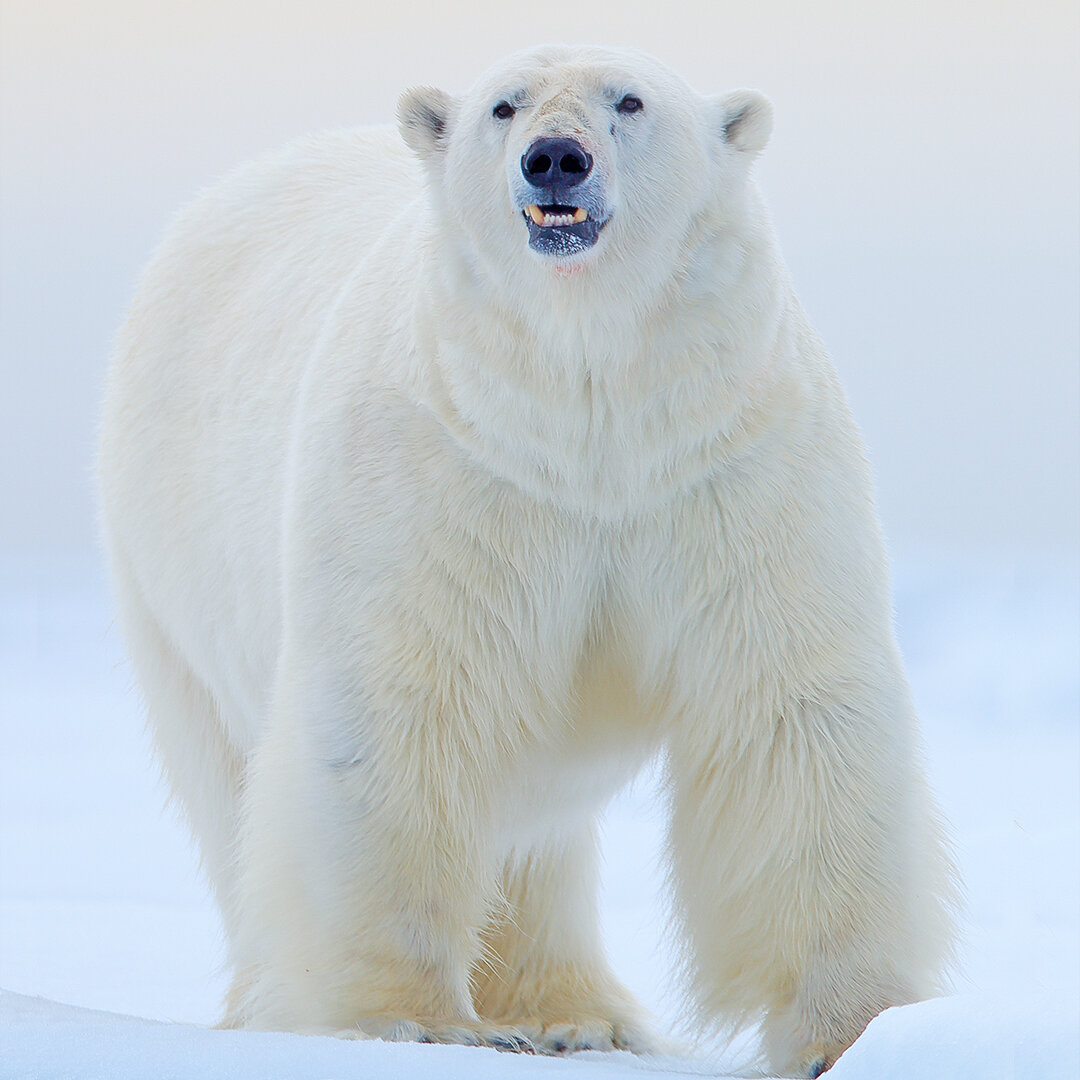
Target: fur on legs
[(811, 897), (544, 969)]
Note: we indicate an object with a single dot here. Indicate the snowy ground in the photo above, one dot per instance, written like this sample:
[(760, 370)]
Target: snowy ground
[(101, 907)]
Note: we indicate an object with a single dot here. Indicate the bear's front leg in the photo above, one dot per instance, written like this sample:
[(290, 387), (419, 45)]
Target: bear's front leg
[(430, 625), (366, 864), (811, 880)]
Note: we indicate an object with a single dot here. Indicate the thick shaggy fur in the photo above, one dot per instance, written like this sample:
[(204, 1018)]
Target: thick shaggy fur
[(425, 542)]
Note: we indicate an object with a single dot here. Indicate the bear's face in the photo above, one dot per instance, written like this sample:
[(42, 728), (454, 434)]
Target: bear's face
[(576, 157)]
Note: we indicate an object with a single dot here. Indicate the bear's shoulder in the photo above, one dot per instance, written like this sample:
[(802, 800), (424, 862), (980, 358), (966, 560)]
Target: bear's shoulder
[(317, 187)]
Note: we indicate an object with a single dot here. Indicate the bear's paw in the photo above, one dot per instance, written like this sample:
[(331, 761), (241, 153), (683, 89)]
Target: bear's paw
[(504, 1037), (567, 1035)]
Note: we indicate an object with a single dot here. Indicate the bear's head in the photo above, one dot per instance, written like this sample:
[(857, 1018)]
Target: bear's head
[(570, 159)]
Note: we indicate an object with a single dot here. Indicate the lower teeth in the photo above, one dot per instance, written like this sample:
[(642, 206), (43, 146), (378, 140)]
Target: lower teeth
[(555, 221)]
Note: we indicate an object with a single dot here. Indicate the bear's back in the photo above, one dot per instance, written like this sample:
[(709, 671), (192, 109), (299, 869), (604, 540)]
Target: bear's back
[(207, 369)]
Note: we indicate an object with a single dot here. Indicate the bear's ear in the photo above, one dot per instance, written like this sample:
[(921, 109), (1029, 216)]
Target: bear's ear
[(424, 115), (745, 119)]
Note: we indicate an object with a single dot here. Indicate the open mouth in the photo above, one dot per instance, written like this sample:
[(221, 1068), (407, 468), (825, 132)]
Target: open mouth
[(556, 216), (560, 230)]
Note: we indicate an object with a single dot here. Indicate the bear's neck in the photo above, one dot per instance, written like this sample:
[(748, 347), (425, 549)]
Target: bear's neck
[(608, 405)]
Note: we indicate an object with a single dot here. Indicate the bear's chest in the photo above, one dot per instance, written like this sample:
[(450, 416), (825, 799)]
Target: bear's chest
[(608, 437)]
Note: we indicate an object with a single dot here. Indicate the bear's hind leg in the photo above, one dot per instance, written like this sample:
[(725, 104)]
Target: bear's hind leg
[(201, 765), (544, 969)]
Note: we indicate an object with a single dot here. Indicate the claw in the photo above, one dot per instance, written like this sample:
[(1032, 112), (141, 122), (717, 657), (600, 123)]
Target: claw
[(512, 1044)]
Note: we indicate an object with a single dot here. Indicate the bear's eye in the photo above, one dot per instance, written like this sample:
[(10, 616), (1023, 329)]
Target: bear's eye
[(629, 105), (503, 111)]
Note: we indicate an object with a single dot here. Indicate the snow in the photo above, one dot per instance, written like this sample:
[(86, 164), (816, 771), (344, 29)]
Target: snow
[(45, 1039), (102, 908)]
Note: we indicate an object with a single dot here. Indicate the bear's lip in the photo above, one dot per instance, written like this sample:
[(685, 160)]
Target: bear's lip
[(560, 230)]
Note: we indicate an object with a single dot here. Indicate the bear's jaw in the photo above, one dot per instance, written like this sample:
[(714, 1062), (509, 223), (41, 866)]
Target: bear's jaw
[(561, 231)]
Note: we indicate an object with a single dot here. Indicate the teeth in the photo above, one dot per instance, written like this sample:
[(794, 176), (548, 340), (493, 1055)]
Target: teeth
[(555, 221)]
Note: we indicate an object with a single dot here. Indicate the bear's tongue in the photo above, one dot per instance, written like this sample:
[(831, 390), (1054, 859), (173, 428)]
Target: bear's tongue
[(551, 217)]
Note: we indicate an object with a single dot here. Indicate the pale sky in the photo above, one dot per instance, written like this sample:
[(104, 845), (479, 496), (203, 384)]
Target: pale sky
[(923, 175)]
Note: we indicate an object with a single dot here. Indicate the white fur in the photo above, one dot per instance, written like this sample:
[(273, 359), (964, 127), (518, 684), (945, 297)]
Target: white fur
[(425, 543)]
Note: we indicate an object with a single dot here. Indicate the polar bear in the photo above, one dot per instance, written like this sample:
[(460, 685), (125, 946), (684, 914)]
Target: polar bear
[(452, 474)]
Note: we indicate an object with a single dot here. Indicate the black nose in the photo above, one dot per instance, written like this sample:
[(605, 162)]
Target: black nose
[(556, 162)]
